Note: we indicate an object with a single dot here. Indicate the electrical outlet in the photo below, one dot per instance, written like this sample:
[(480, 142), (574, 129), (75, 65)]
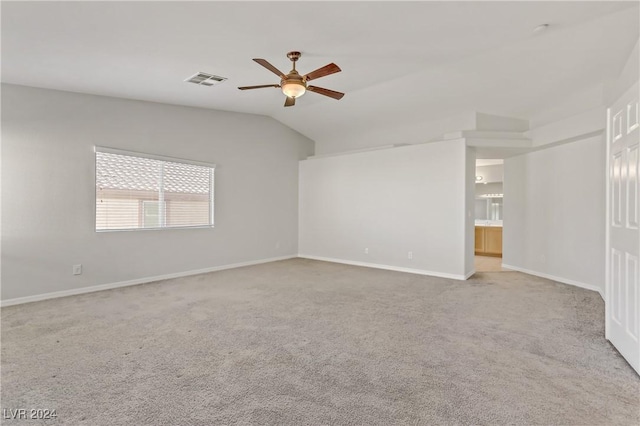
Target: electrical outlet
[(410, 255), (366, 250), (77, 269)]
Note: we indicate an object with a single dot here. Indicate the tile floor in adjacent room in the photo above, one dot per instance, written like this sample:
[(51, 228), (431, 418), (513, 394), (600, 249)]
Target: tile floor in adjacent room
[(489, 264)]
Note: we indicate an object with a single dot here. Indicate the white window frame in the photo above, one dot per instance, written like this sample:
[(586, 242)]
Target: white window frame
[(160, 158)]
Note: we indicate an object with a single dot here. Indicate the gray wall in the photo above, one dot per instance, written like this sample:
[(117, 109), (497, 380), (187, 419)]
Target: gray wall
[(490, 188), (391, 201), (48, 189), (470, 200), (554, 212)]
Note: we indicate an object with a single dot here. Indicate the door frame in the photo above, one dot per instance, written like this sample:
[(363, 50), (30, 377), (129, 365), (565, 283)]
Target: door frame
[(607, 233)]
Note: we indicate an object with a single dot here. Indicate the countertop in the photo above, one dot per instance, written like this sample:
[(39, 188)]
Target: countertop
[(489, 223)]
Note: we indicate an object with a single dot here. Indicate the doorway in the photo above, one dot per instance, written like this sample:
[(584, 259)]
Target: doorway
[(489, 198)]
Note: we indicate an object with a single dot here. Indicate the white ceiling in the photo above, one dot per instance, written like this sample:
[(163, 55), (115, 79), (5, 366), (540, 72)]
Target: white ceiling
[(402, 63), (482, 162)]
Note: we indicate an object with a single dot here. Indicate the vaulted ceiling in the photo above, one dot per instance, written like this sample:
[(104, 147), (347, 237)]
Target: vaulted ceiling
[(403, 63)]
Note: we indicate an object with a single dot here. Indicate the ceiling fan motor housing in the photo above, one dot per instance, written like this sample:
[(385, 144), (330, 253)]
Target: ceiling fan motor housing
[(293, 85)]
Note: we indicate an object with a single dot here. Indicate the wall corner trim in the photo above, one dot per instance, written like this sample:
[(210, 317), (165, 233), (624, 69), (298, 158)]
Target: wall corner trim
[(109, 286), (558, 279), (387, 267)]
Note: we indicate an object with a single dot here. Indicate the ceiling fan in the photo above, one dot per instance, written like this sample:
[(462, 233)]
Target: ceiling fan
[(294, 85)]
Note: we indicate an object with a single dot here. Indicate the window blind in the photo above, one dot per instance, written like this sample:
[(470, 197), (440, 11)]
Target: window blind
[(135, 191)]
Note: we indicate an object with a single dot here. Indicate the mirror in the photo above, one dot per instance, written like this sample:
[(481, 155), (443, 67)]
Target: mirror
[(488, 208), (489, 201)]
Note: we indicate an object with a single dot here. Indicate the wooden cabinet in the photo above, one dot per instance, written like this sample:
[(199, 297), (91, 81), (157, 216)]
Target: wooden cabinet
[(479, 239), (493, 240), (489, 241)]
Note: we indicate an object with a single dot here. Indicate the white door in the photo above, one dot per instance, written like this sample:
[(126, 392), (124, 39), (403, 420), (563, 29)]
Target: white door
[(623, 245)]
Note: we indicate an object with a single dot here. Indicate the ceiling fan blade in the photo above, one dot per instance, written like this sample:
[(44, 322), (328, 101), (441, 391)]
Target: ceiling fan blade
[(321, 72), (322, 91), (258, 87), (270, 67), (289, 102)]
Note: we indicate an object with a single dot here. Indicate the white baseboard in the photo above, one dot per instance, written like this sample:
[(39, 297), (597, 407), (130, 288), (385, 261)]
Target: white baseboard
[(101, 287), (83, 290), (388, 267), (555, 278)]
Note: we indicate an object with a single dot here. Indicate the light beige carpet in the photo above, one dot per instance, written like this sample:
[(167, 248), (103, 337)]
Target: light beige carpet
[(302, 342)]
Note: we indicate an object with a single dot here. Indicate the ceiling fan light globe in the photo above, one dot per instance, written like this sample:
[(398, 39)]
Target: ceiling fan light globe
[(293, 90)]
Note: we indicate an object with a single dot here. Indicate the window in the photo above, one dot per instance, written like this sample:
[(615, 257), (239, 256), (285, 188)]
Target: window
[(139, 191)]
